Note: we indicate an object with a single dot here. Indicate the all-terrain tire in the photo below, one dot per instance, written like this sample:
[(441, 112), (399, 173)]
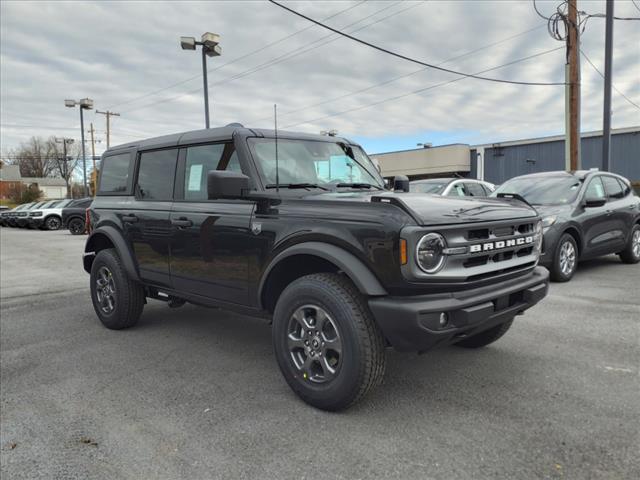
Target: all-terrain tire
[(128, 295), (631, 253), (52, 223), (361, 363), (560, 273), (483, 339)]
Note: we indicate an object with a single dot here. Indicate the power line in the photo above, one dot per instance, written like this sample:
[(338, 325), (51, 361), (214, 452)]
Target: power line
[(409, 59), (399, 77), (288, 55), (253, 52), (602, 75), (421, 90)]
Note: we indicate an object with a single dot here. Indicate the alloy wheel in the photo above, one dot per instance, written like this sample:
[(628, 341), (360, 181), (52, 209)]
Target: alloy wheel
[(635, 243), (567, 258), (314, 344), (105, 290), (53, 223), (76, 226)]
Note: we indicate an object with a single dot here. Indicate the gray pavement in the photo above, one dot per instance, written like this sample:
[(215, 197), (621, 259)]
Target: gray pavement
[(196, 393)]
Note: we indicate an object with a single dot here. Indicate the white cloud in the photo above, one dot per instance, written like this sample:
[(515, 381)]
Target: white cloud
[(115, 52)]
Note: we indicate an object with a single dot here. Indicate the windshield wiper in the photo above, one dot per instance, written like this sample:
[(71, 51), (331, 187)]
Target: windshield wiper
[(358, 185), (296, 185)]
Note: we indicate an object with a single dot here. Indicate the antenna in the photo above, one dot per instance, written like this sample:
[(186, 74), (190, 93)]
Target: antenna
[(275, 129)]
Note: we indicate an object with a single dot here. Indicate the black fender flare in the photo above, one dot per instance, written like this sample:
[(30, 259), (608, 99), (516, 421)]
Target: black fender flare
[(118, 242), (353, 267)]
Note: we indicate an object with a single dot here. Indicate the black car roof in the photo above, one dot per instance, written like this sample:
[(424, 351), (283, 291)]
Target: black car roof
[(219, 134)]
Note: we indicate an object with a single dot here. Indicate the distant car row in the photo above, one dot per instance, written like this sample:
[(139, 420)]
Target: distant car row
[(585, 214), (48, 215)]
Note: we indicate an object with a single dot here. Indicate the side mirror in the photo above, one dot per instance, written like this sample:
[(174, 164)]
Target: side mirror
[(594, 202), (225, 184), (400, 183)]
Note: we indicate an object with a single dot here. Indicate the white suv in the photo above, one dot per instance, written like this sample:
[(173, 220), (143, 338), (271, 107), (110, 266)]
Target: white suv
[(453, 187), (49, 215)]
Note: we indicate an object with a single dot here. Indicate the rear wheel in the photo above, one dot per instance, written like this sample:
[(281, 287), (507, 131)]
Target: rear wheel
[(565, 259), (483, 339), (52, 223), (326, 342), (631, 253), (117, 300), (76, 226)]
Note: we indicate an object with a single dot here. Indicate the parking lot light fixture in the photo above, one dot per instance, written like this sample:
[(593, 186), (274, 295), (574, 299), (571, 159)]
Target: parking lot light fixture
[(210, 43), (84, 104)]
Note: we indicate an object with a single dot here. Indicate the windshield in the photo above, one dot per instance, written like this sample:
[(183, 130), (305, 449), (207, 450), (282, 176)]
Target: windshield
[(311, 162), (542, 190), (436, 186)]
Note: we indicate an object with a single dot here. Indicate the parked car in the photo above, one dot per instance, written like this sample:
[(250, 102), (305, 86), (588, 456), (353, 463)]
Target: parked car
[(305, 234), (452, 187), (49, 216), (585, 214), (9, 217), (73, 215), (22, 216)]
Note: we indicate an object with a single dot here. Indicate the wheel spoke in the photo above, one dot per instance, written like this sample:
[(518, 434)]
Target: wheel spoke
[(321, 318), (332, 345), (294, 342), (327, 369)]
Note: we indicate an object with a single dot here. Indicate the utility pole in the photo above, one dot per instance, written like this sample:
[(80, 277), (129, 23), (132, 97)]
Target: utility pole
[(93, 156), (606, 114), (572, 90), (108, 115), (64, 166)]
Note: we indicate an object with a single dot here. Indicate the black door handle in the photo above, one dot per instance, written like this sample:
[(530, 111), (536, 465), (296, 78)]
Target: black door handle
[(181, 222), (129, 218)]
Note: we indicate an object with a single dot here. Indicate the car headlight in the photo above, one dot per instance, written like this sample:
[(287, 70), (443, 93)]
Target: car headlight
[(430, 252), (538, 234), (35, 214), (548, 221)]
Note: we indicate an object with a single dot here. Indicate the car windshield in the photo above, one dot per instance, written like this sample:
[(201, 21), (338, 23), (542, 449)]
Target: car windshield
[(309, 164), (542, 190), (434, 186)]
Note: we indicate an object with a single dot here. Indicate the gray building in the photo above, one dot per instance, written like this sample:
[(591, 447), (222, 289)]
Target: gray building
[(500, 161)]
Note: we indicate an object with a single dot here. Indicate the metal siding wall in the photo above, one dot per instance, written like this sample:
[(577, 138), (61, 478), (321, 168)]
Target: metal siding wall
[(547, 156), (473, 164)]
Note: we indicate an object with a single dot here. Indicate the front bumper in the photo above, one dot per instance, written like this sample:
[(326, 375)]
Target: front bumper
[(22, 222), (36, 222), (413, 323)]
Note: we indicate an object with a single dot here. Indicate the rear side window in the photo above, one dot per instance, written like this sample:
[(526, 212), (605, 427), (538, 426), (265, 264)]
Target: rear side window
[(612, 187), (626, 189), (156, 174), (114, 173)]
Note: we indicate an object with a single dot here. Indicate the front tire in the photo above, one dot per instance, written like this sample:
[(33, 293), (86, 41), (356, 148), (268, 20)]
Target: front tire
[(52, 223), (565, 259), (631, 253), (483, 339), (117, 300), (326, 342)]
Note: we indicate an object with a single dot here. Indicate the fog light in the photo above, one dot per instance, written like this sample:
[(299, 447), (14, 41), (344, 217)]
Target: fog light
[(444, 319)]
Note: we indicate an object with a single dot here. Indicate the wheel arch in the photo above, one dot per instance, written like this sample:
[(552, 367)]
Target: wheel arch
[(577, 236), (314, 257), (109, 237)]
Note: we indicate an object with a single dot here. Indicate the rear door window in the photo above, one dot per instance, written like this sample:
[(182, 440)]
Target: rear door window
[(156, 173), (114, 174)]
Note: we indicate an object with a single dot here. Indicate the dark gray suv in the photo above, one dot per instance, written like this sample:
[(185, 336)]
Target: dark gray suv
[(585, 214)]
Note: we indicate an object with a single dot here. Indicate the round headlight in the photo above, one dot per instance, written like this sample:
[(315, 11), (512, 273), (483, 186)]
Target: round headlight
[(429, 252)]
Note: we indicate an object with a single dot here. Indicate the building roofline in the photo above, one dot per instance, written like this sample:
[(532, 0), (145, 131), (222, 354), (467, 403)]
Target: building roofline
[(555, 138), (421, 149)]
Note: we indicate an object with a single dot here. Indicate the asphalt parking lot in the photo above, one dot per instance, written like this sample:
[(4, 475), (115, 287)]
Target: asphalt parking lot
[(196, 393)]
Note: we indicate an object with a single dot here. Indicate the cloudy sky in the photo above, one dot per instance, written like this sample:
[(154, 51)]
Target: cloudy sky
[(126, 56)]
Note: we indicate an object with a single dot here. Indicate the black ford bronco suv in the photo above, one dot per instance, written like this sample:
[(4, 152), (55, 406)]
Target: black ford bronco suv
[(299, 229)]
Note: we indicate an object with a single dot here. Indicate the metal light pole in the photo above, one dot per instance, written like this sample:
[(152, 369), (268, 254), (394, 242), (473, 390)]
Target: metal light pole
[(606, 114), (84, 104), (210, 47)]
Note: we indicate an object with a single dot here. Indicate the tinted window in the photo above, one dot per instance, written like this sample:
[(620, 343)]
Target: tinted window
[(612, 187), (200, 160), (595, 189), (475, 190), (114, 174), (156, 174), (626, 189)]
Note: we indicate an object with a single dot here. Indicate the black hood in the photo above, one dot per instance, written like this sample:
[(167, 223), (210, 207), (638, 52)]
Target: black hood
[(438, 210)]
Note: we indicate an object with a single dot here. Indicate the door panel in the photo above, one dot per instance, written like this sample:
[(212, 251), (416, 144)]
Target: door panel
[(596, 222), (210, 247), (617, 212)]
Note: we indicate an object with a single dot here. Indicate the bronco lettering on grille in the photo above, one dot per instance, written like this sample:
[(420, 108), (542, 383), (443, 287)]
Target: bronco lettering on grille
[(499, 245)]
